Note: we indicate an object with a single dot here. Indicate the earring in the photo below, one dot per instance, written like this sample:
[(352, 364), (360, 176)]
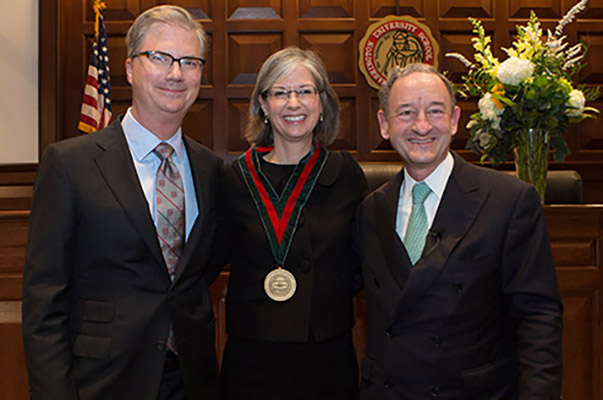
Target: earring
[(321, 118), (266, 120)]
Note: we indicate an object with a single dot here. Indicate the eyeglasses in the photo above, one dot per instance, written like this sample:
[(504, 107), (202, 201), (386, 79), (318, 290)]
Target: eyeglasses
[(165, 60), (283, 95)]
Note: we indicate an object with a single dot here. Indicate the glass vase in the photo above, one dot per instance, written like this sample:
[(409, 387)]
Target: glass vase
[(532, 158)]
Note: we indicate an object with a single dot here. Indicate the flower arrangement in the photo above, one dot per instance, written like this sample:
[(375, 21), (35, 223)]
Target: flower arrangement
[(530, 91)]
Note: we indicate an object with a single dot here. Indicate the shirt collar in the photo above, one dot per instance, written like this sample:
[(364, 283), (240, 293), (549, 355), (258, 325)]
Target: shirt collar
[(436, 181), (142, 141)]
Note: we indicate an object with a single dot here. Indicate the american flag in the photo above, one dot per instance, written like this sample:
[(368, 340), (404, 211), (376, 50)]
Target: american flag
[(96, 108)]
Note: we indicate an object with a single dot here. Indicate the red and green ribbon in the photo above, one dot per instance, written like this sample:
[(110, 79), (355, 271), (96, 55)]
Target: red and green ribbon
[(280, 213)]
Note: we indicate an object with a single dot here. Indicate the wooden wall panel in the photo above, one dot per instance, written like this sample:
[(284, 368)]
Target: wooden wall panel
[(593, 70), (346, 138), (246, 53), (12, 364), (578, 344), (326, 8), (207, 75), (118, 9), (244, 32), (377, 143), (197, 122), (594, 10), (382, 8), (13, 237), (237, 112), (543, 8), (254, 9), (576, 239), (338, 51), (468, 8)]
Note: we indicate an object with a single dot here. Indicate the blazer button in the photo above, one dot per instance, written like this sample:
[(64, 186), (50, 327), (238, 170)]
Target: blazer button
[(435, 392), (458, 287), (388, 384), (305, 266), (388, 334)]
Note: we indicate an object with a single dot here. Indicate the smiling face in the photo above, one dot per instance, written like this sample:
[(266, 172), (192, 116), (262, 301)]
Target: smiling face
[(293, 119), (420, 122), (162, 97)]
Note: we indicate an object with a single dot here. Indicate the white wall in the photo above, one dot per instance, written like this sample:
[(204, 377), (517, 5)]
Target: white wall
[(18, 81)]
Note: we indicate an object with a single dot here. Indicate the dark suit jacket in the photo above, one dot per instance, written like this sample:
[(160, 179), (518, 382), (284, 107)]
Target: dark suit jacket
[(97, 298), (479, 315), (321, 258)]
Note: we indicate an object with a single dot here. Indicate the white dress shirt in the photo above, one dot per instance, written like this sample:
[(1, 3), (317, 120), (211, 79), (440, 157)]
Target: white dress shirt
[(436, 181), (141, 143)]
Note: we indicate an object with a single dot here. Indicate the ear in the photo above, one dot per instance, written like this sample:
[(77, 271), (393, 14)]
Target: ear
[(454, 120), (383, 124), (129, 70), (263, 104)]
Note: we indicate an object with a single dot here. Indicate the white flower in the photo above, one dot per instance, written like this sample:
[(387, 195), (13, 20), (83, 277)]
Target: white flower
[(569, 17), (575, 103), (514, 70), (461, 58), (488, 109)]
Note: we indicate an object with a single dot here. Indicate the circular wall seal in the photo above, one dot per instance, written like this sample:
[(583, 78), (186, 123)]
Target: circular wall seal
[(395, 40)]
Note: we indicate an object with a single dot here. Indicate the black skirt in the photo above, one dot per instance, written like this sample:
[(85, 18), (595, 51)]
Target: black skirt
[(292, 371)]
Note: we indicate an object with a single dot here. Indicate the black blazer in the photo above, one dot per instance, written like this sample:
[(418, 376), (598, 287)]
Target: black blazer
[(479, 315), (321, 257), (97, 298)]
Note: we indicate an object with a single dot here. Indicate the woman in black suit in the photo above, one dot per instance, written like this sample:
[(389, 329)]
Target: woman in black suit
[(287, 232)]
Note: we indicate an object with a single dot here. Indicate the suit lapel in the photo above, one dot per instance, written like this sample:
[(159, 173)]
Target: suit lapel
[(458, 209), (394, 253), (116, 166)]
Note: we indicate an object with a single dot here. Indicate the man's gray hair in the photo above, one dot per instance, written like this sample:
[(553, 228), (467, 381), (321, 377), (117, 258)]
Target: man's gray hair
[(167, 14)]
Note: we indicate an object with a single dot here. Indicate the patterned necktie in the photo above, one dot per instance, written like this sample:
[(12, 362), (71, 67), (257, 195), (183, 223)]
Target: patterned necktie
[(170, 215), (416, 231)]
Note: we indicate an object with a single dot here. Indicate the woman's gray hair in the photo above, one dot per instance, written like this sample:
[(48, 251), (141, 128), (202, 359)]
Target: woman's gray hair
[(283, 63), (396, 73), (167, 14)]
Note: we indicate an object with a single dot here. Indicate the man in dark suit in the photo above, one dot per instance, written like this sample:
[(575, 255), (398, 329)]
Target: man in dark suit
[(115, 297), (460, 285)]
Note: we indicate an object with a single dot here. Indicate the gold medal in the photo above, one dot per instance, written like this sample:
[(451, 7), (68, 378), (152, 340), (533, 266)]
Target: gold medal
[(280, 284)]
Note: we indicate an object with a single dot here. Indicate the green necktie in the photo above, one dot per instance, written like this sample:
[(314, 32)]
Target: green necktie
[(416, 231)]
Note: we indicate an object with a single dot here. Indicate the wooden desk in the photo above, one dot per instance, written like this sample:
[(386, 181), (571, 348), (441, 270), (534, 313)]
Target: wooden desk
[(576, 239)]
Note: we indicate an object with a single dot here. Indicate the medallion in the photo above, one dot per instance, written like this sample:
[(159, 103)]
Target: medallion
[(280, 213), (280, 284)]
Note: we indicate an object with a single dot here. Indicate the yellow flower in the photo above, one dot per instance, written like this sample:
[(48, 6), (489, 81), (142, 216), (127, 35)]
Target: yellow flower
[(498, 89), (566, 85)]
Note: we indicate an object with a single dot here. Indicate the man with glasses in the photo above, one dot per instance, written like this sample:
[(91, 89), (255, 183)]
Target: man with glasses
[(115, 286)]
